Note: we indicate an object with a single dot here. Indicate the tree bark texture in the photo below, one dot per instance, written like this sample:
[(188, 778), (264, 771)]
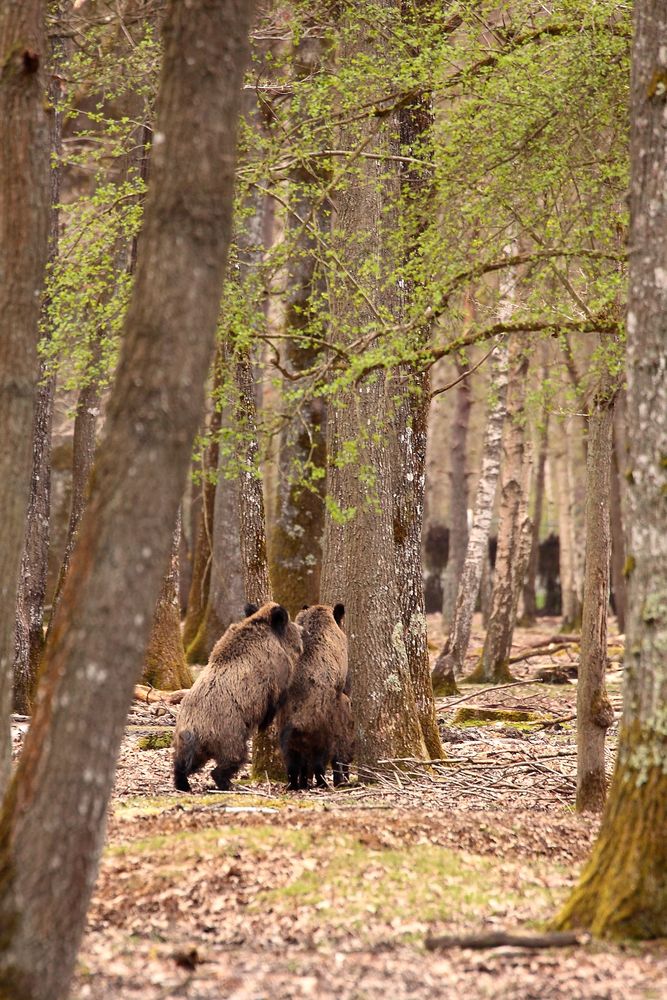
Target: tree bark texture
[(409, 481), (594, 710), (34, 562), (24, 232), (295, 549), (452, 657), (164, 664), (83, 457), (513, 527), (570, 603), (203, 533), (530, 583), (458, 499), (94, 655), (359, 555), (226, 593), (618, 513), (623, 889)]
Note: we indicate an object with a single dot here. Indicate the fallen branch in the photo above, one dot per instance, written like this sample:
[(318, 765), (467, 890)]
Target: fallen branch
[(489, 690), (149, 695), (499, 939), (544, 650), (556, 722)]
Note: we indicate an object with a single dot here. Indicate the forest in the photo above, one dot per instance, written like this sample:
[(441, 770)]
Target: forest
[(333, 389)]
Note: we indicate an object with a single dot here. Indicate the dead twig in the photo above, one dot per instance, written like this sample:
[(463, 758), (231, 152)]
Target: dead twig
[(499, 939)]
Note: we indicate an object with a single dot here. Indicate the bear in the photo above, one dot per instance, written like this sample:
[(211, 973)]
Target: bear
[(314, 722), (237, 693)]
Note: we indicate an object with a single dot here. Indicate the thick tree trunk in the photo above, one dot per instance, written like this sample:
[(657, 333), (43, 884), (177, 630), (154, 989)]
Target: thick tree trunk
[(458, 499), (164, 664), (296, 539), (623, 890), (530, 583), (24, 232), (358, 562), (594, 711), (513, 528), (452, 657), (267, 760), (34, 563), (47, 865)]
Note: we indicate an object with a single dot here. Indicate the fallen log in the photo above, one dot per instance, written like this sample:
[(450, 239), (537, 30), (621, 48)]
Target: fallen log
[(499, 939)]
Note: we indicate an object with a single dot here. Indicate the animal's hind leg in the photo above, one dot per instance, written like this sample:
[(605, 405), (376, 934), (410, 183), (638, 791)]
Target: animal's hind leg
[(223, 776)]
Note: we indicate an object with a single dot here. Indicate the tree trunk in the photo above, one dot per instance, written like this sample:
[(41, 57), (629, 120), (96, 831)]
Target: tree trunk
[(452, 657), (570, 603), (47, 865), (296, 538), (24, 233), (202, 543), (623, 889), (34, 563), (458, 499), (164, 664), (618, 514), (530, 583), (358, 560), (226, 594), (594, 711), (409, 451), (83, 457), (267, 760), (513, 528)]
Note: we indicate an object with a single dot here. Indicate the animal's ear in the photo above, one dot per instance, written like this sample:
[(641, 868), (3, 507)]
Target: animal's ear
[(250, 609), (338, 613), (278, 619)]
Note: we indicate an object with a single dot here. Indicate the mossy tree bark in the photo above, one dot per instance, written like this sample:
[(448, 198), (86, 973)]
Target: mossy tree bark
[(295, 549), (34, 562), (24, 232), (513, 528), (164, 665), (47, 865), (359, 556), (594, 710), (451, 659), (623, 889)]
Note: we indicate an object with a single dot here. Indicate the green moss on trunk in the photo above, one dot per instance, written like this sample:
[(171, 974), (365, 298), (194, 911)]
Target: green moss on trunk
[(622, 892)]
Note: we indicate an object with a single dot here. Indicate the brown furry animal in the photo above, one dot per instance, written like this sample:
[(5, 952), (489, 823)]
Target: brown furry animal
[(314, 723), (238, 693), (342, 740)]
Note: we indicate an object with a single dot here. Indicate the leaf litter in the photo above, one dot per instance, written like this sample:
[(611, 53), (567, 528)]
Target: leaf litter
[(259, 894)]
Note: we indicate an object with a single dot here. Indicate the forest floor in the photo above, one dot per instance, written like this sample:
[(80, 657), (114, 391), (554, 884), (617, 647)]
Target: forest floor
[(258, 894)]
